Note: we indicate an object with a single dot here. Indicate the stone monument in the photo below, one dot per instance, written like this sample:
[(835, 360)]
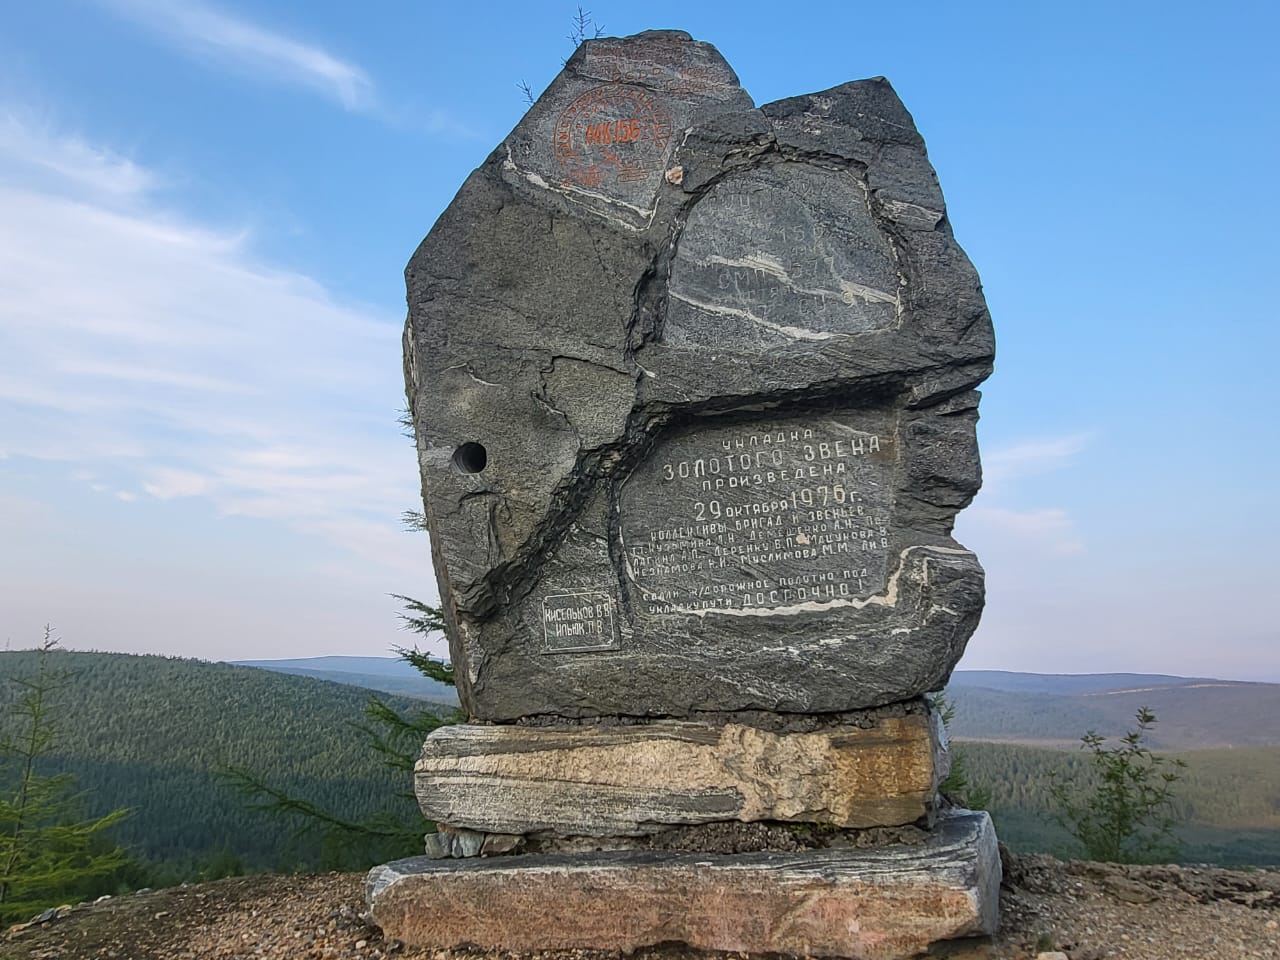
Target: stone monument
[(693, 390)]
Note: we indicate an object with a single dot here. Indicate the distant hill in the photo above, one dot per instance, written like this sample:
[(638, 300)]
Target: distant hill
[(386, 674), (149, 732), (995, 705), (1056, 710), (378, 666), (1065, 683)]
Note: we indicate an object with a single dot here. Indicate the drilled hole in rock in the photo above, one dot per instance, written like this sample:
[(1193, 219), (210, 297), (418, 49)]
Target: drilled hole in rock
[(470, 457)]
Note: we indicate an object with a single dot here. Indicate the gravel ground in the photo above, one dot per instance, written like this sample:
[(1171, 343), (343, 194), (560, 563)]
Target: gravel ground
[(1086, 911)]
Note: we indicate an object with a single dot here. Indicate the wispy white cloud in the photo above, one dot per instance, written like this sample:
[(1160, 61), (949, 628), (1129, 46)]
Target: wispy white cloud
[(1003, 465), (1006, 526), (159, 359), (170, 483), (205, 31), (1049, 529), (31, 152)]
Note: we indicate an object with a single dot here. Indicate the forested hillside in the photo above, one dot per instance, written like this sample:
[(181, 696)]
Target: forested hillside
[(1194, 714), (149, 733), (1030, 725), (1228, 801)]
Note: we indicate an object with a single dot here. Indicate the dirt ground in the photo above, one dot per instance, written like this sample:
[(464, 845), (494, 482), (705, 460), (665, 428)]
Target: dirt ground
[(1087, 911)]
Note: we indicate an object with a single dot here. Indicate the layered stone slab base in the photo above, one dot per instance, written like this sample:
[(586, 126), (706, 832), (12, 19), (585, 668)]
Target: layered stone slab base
[(877, 904), (632, 780)]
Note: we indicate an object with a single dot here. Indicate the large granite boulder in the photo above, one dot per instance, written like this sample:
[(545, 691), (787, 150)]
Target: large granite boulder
[(693, 388)]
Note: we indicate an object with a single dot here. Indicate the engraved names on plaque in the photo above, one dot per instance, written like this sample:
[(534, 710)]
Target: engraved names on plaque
[(765, 516), (578, 622)]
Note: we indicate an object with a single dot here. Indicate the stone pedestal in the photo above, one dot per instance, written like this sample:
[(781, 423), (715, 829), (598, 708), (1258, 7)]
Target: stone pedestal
[(876, 768), (883, 903), (629, 798)]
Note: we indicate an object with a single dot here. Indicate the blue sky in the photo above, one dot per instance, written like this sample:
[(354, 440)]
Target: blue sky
[(205, 211)]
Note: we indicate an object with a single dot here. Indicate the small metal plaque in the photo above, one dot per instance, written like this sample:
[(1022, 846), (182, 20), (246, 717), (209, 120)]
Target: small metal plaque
[(579, 622)]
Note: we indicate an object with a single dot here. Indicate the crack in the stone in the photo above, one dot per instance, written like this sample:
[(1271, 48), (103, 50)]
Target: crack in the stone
[(466, 368), (542, 397), (974, 318)]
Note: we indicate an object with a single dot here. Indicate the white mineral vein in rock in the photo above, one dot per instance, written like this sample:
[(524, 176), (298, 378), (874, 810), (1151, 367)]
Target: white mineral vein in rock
[(510, 165), (848, 428), (861, 292), (569, 194), (467, 370), (763, 263), (475, 653), (795, 333), (901, 210)]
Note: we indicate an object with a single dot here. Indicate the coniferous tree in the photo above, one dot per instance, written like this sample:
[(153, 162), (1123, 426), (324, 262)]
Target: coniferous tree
[(959, 785), (47, 851)]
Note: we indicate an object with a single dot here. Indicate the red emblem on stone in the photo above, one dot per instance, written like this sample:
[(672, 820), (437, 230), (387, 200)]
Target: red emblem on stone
[(613, 133)]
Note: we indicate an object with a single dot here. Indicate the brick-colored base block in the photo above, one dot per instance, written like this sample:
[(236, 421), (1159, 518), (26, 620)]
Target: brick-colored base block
[(881, 903)]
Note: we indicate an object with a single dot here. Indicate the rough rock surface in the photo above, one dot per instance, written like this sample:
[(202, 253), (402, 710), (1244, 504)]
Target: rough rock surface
[(880, 904), (1187, 913), (620, 781), (693, 388)]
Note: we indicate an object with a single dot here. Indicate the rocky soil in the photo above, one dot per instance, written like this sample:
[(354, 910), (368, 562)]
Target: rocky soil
[(1083, 911)]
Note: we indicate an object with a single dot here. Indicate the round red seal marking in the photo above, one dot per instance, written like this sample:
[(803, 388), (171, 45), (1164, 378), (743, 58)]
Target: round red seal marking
[(613, 133)]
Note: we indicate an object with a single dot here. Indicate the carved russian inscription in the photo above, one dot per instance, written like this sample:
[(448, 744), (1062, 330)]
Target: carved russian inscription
[(761, 516)]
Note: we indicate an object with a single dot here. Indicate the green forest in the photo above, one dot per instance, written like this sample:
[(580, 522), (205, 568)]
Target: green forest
[(1017, 732), (1227, 802), (152, 734), (155, 735)]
